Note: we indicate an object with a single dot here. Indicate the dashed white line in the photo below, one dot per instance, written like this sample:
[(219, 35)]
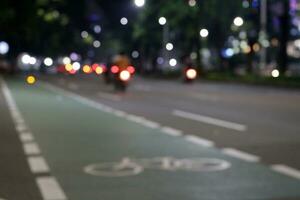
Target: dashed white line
[(171, 131), (210, 120), (286, 170), (50, 188), (21, 127), (240, 155), (38, 165), (31, 149), (26, 137), (198, 140)]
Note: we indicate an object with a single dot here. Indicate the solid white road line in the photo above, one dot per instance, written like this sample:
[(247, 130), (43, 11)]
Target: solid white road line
[(102, 107), (119, 113), (150, 124), (135, 118), (210, 120), (108, 96), (198, 140), (241, 155), (26, 137), (38, 165), (31, 149), (171, 131), (286, 170), (50, 188)]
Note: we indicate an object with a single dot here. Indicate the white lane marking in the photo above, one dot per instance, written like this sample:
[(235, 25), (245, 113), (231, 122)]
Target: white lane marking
[(150, 124), (73, 86), (50, 188), (31, 149), (171, 131), (102, 107), (26, 137), (21, 127), (198, 140), (210, 120), (241, 155), (119, 113), (286, 170), (108, 96), (135, 118), (38, 165), (107, 109)]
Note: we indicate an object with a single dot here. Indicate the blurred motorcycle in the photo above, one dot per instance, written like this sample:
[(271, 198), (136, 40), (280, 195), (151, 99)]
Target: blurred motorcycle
[(122, 77), (189, 74)]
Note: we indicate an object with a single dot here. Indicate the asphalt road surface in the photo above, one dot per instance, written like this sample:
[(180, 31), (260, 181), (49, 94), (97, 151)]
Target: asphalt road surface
[(75, 138)]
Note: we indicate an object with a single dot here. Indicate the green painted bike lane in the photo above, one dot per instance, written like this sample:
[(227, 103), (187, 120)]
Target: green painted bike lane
[(72, 136)]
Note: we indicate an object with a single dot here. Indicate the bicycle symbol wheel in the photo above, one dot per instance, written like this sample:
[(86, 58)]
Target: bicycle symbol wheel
[(113, 169)]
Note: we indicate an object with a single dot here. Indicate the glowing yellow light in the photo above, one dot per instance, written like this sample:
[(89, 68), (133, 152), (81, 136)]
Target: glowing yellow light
[(68, 67), (275, 73), (247, 50), (125, 75), (256, 47), (191, 74), (99, 70), (86, 69), (30, 80)]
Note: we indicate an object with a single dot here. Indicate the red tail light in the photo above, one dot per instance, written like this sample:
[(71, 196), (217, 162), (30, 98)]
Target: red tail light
[(131, 69), (114, 69), (94, 66)]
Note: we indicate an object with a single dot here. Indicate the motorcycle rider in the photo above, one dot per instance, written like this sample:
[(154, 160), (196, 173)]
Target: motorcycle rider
[(121, 60)]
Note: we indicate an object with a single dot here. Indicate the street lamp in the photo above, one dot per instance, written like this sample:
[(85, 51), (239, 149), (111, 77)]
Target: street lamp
[(97, 29), (124, 21), (4, 48), (48, 61), (169, 46), (139, 3), (238, 21), (192, 3), (162, 21), (204, 33), (84, 34)]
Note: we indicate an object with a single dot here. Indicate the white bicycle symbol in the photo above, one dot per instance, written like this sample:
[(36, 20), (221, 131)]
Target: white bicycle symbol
[(130, 167)]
